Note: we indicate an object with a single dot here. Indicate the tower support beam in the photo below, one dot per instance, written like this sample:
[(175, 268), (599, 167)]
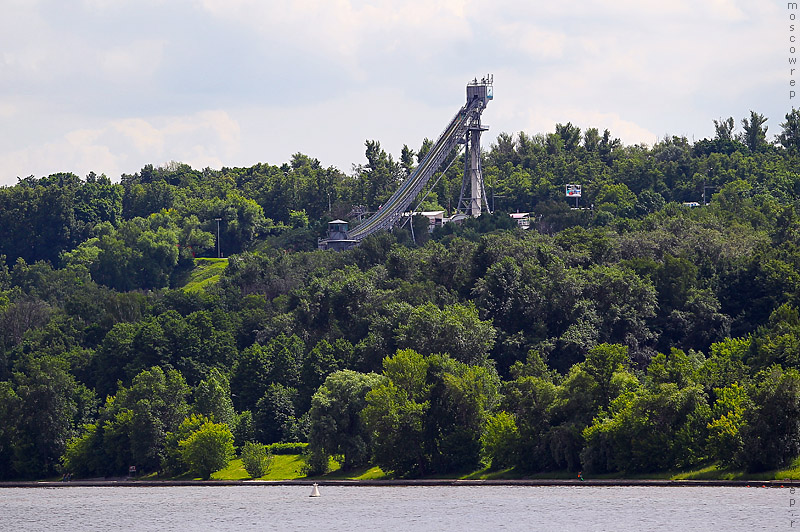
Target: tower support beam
[(476, 202)]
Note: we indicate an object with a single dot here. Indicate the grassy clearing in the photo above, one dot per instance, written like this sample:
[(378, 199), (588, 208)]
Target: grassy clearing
[(290, 466), (206, 273), (284, 467), (791, 473), (511, 473), (363, 473), (716, 472), (234, 471)]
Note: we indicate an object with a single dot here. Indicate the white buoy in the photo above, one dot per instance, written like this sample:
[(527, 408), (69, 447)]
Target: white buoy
[(314, 491)]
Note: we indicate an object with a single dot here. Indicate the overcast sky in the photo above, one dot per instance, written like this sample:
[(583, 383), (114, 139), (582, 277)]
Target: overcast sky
[(111, 85)]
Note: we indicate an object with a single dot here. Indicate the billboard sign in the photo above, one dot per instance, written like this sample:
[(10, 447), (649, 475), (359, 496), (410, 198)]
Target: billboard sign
[(573, 191)]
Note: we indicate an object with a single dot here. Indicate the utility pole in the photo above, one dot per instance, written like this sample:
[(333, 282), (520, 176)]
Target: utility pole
[(218, 220)]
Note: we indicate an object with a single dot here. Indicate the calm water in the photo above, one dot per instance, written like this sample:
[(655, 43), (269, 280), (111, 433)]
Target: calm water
[(398, 508)]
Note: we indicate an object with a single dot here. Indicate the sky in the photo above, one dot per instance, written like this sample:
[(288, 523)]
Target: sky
[(108, 86)]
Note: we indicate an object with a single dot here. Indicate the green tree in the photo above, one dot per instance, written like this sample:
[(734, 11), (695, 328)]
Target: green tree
[(395, 422), (724, 129), (250, 376), (571, 135), (455, 329), (500, 440), (212, 398), (243, 428), (726, 364), (48, 414), (275, 417), (379, 178), (771, 431), (622, 302), (256, 459), (601, 363), (9, 405), (755, 133), (136, 421), (172, 462), (336, 427), (84, 454), (725, 443), (136, 255), (208, 449), (663, 427), (790, 133), (673, 279), (407, 159), (323, 360), (298, 219), (530, 401), (428, 416), (279, 361), (776, 342), (676, 367), (617, 199), (699, 324)]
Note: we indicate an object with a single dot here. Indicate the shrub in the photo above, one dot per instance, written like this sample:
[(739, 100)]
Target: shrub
[(172, 462), (500, 440), (256, 459), (287, 448), (208, 449), (317, 463)]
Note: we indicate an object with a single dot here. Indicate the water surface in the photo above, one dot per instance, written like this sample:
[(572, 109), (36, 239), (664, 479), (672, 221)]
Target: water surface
[(419, 509)]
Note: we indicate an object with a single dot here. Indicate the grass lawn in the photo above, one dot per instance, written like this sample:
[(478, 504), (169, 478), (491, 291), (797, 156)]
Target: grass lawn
[(792, 472), (284, 467), (206, 273), (363, 473), (290, 466)]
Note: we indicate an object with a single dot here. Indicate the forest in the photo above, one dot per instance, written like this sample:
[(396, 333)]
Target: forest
[(179, 313)]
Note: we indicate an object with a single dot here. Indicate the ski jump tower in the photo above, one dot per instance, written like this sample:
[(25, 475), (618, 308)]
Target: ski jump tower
[(465, 128), (473, 204)]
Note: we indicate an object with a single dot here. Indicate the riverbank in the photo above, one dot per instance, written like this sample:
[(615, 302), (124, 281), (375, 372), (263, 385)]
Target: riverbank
[(105, 483)]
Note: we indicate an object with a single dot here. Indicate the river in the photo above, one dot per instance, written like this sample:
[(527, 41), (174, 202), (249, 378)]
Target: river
[(414, 508)]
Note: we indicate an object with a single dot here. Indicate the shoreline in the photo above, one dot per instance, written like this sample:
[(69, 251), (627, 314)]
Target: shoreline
[(105, 483)]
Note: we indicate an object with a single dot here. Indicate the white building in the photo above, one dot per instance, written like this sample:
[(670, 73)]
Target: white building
[(523, 219)]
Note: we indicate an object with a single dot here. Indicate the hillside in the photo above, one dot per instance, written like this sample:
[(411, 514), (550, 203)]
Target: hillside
[(631, 336)]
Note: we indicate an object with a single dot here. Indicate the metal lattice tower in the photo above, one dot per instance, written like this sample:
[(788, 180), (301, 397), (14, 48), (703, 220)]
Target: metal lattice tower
[(464, 128), (474, 204)]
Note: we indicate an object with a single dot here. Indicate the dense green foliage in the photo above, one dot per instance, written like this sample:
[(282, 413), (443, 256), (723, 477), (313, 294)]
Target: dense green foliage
[(207, 449), (256, 459), (336, 427), (633, 335)]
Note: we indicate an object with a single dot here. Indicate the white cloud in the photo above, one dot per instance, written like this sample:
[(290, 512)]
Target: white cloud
[(532, 40), (206, 138), (727, 10), (144, 136), (76, 152), (335, 131), (132, 61), (7, 110), (324, 27), (111, 85), (348, 32)]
